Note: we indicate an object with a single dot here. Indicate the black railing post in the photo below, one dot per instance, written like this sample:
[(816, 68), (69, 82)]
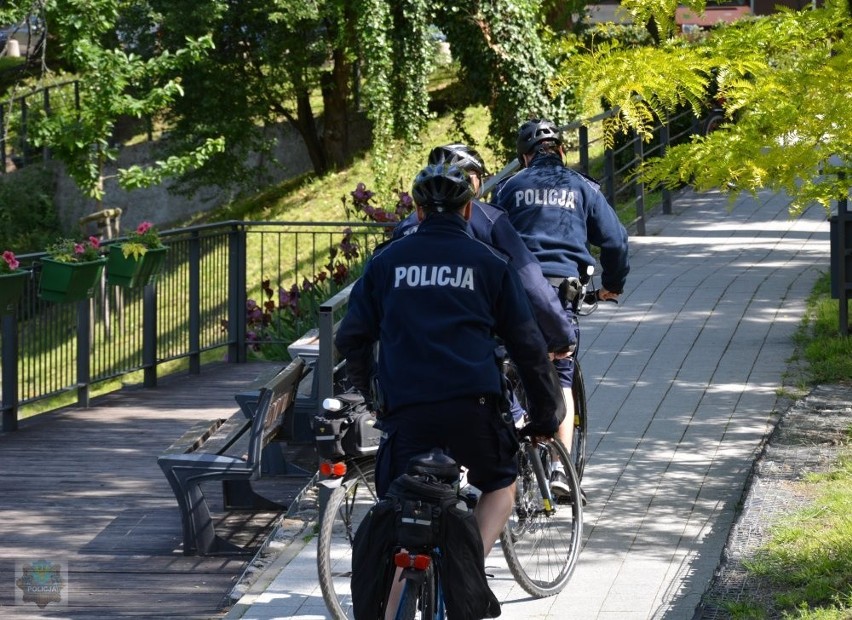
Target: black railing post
[(9, 378), (237, 294), (583, 132), (84, 351), (2, 140), (194, 301), (24, 144), (664, 147), (149, 335), (45, 151), (639, 186), (845, 252), (609, 175)]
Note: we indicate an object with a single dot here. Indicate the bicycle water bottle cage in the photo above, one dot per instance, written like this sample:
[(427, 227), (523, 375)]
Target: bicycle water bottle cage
[(436, 464)]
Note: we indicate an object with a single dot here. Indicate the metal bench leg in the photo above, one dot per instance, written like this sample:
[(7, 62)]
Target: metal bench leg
[(199, 535)]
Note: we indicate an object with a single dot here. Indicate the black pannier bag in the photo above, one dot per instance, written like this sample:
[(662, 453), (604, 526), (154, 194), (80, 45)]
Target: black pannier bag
[(422, 514), (347, 432)]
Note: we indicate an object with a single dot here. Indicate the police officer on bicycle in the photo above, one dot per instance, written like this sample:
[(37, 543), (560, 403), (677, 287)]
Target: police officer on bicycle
[(558, 212), (434, 302), (490, 224)]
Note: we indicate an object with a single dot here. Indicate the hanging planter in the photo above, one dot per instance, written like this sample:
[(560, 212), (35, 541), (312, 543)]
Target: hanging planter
[(65, 282), (11, 288), (133, 271)]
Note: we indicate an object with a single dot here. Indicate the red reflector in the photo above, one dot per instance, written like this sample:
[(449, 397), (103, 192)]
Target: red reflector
[(332, 469), (402, 559), (421, 562)]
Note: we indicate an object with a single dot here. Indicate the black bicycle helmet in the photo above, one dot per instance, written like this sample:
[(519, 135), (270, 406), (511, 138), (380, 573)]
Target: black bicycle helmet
[(461, 155), (533, 132), (442, 187)]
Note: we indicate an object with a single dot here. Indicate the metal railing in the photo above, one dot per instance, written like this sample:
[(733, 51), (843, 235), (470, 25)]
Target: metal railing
[(198, 304)]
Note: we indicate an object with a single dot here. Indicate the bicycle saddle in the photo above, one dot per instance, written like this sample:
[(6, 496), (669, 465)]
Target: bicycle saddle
[(435, 463)]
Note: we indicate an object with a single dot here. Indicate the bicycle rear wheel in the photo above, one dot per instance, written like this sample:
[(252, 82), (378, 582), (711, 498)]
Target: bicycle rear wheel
[(346, 507), (541, 541), (420, 600), (578, 439)]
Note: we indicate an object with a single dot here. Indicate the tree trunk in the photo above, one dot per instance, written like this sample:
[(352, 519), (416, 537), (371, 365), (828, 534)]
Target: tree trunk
[(306, 124), (335, 95)]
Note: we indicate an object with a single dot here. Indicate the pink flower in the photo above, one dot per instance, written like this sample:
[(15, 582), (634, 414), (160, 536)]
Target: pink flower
[(11, 261), (95, 242), (143, 228), (78, 248)]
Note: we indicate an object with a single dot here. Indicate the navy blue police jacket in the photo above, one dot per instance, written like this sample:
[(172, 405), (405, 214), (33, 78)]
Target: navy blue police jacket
[(556, 211), (434, 302), (491, 225)]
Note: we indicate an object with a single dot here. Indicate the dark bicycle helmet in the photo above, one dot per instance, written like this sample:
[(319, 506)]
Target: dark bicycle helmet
[(460, 155), (442, 187), (533, 132)]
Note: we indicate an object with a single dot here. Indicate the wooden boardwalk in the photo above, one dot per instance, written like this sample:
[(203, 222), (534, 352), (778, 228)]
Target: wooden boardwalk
[(81, 490)]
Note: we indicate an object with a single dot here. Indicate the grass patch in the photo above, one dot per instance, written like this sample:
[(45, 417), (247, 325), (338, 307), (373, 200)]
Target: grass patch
[(807, 561), (809, 557), (828, 355)]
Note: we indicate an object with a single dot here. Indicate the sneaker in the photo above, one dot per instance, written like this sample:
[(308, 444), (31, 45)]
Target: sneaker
[(561, 490), (559, 484)]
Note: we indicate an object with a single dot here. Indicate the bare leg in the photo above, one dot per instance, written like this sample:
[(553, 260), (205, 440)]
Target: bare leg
[(394, 595), (565, 433), (492, 512)]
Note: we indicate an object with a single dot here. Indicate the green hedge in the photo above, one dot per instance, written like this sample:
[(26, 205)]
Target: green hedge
[(28, 218)]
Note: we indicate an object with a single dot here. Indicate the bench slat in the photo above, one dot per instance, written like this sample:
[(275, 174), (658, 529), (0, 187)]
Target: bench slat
[(193, 438)]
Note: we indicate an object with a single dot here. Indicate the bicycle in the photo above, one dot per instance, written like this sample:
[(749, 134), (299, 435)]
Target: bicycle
[(346, 444), (541, 541), (434, 544), (584, 303)]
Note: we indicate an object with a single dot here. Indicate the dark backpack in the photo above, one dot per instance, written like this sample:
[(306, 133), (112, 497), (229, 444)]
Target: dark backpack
[(421, 514)]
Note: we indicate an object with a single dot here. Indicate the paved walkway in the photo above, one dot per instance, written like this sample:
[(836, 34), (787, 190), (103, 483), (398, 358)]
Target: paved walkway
[(683, 379)]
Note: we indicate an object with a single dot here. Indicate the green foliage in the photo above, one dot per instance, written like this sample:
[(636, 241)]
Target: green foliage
[(71, 251), (789, 128), (113, 83), (144, 238), (28, 219), (502, 48)]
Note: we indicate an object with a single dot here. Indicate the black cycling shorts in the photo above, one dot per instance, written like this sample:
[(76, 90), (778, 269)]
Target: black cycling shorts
[(470, 429)]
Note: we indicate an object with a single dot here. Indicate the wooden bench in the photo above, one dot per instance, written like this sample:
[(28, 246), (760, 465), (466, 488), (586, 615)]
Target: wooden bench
[(232, 451)]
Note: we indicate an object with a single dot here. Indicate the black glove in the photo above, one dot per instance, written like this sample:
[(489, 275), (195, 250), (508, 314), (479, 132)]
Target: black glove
[(537, 428)]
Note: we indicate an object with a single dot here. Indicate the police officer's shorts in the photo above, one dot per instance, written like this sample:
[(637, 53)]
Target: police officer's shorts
[(470, 429), (565, 367)]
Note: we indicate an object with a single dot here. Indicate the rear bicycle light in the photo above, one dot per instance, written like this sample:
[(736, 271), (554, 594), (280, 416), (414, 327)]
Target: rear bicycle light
[(327, 468), (403, 559)]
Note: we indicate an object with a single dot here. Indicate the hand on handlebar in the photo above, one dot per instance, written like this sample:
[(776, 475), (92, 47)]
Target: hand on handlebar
[(537, 431)]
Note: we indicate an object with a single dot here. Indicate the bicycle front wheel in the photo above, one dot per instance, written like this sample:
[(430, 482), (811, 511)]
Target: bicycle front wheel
[(346, 507), (578, 439), (541, 541)]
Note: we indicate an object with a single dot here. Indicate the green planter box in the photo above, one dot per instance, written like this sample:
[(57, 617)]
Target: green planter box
[(132, 272), (65, 282), (11, 287)]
